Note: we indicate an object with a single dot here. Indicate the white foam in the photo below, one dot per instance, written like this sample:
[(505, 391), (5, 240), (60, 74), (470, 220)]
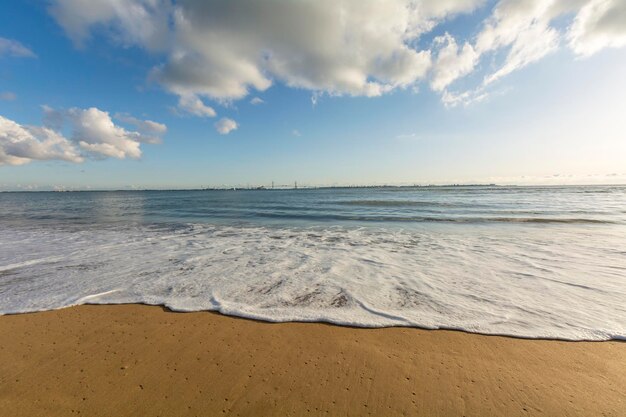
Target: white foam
[(562, 282)]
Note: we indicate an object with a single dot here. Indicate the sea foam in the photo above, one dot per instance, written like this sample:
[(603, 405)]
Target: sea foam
[(526, 281)]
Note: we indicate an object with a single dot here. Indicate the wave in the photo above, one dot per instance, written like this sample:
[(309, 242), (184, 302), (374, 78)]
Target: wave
[(526, 284), (547, 220), (427, 219), (399, 203)]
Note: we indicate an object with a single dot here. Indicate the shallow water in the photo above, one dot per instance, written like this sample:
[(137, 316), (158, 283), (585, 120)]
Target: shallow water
[(544, 262)]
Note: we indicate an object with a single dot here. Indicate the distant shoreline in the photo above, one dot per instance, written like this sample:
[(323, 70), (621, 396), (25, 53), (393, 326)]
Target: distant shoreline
[(306, 187)]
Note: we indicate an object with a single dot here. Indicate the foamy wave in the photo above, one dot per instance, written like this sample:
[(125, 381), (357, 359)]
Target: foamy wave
[(524, 282)]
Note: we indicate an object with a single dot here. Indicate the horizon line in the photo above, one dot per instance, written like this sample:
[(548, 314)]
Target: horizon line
[(310, 187)]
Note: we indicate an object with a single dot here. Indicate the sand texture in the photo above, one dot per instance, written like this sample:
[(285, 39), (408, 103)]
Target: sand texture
[(134, 360)]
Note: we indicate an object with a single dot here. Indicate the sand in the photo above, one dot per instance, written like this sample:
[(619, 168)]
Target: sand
[(134, 360)]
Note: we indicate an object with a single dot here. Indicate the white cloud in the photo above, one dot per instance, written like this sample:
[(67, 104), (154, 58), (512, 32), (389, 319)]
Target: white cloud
[(225, 125), (10, 47), (145, 126), (451, 99), (296, 133), (520, 28), (191, 104), (524, 29), (256, 101), (314, 98), (599, 24), (22, 144), (530, 45), (522, 25), (93, 133), (8, 96), (224, 50), (452, 62), (356, 47), (150, 130), (128, 22)]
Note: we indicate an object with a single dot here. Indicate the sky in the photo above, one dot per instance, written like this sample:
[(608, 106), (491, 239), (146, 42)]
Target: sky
[(116, 94)]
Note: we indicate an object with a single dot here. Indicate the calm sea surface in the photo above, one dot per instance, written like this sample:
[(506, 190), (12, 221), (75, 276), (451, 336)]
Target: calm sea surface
[(524, 261)]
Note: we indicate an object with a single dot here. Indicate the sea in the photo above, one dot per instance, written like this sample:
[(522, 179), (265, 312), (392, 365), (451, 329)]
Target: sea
[(530, 262)]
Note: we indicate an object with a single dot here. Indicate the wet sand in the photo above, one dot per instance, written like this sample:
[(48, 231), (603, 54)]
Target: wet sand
[(134, 360)]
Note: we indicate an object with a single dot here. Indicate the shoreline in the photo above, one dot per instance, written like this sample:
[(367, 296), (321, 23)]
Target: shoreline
[(136, 359), (165, 308)]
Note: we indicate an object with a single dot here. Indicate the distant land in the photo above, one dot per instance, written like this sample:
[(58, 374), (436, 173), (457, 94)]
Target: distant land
[(266, 188)]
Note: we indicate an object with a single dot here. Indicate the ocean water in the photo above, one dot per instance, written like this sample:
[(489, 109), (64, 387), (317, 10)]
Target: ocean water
[(536, 262)]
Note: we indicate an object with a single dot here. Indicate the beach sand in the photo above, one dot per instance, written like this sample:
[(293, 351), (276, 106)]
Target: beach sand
[(135, 360)]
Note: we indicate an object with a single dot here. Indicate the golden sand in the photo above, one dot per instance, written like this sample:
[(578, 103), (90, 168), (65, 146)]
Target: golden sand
[(135, 360)]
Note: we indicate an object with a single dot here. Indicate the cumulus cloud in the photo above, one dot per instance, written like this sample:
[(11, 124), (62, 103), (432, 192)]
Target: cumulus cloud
[(256, 101), (150, 131), (452, 62), (355, 47), (128, 22), (93, 134), (146, 126), (191, 104), (599, 24), (225, 125), (22, 144), (224, 50), (10, 47)]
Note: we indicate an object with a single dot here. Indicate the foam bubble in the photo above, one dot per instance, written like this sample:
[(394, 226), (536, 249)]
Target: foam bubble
[(516, 280)]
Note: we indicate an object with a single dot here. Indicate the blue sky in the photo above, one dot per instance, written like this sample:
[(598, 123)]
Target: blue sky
[(381, 108)]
